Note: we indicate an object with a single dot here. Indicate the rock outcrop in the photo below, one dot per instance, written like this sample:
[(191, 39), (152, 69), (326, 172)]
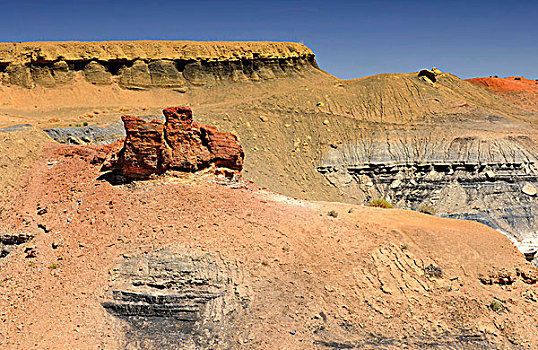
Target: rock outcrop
[(489, 181), (152, 147), (184, 299), (148, 64), (429, 75), (9, 241)]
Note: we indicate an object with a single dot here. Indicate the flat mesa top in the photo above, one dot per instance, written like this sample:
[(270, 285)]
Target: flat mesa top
[(130, 50)]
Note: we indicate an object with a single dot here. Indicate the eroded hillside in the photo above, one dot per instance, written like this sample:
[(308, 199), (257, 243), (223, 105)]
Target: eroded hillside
[(191, 261), (302, 129), (426, 141)]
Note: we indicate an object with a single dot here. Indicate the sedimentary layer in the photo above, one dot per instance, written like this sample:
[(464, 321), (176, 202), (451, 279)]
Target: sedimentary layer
[(490, 181), (149, 63)]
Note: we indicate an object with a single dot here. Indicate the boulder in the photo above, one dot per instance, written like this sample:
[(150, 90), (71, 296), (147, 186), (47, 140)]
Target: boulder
[(529, 190), (428, 74), (223, 146), (144, 151), (152, 147), (184, 137)]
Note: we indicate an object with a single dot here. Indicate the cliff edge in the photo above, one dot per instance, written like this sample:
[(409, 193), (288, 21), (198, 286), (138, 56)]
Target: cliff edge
[(149, 63)]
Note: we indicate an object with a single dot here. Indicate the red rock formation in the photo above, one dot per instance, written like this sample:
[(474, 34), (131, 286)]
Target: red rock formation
[(178, 144), (144, 151), (223, 146), (184, 137)]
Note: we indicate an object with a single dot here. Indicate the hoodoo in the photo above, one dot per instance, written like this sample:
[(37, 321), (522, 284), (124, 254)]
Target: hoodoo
[(152, 147)]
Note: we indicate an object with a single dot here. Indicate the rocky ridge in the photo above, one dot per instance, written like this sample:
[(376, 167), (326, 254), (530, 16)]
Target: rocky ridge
[(145, 64)]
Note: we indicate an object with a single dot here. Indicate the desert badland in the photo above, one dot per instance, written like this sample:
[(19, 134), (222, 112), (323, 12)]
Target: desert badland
[(225, 195)]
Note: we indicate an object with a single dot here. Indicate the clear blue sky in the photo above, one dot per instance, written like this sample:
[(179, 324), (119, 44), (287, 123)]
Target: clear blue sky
[(351, 38)]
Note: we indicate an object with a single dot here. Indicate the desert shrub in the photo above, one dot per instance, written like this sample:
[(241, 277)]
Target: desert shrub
[(333, 213), (85, 123), (427, 209), (380, 203), (495, 76), (517, 78), (433, 271), (495, 306), (53, 266)]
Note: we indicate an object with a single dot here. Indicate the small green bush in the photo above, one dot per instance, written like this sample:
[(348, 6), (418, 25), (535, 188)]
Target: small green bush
[(517, 78), (380, 203), (333, 213), (85, 123), (495, 306), (53, 266)]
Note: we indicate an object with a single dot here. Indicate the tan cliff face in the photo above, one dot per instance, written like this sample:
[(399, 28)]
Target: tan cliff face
[(149, 63)]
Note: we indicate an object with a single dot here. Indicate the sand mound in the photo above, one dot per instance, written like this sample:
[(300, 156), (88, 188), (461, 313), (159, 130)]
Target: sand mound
[(519, 90)]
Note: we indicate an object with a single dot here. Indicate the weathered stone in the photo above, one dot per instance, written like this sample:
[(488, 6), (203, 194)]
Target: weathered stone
[(136, 75), (223, 146), (178, 144), (183, 136), (165, 74), (529, 190), (42, 76), (429, 74), (197, 74), (144, 151), (61, 72), (96, 73), (9, 241), (51, 75), (19, 74), (182, 299), (395, 184)]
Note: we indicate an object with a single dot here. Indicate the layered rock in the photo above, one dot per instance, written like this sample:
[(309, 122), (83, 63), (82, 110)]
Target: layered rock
[(490, 181), (144, 151), (152, 147), (183, 299), (149, 64)]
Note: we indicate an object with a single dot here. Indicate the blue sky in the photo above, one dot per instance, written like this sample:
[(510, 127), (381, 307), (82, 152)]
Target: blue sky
[(350, 38)]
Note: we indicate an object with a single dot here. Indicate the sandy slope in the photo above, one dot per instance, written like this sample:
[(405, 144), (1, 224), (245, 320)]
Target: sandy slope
[(363, 271)]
